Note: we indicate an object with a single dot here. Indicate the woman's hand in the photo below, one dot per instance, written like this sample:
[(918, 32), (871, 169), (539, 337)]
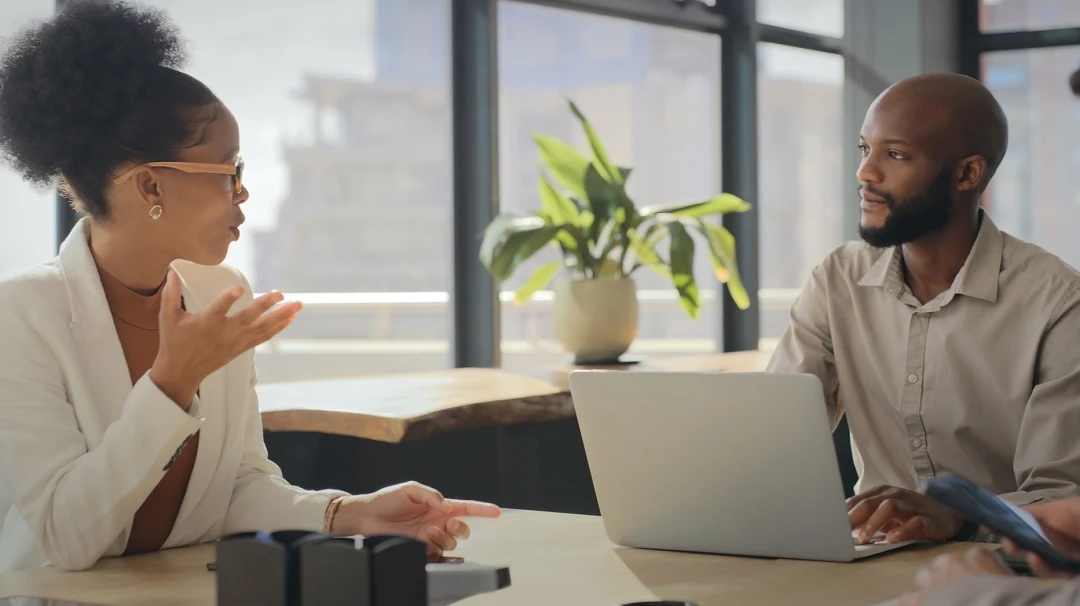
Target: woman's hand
[(411, 510), (194, 345)]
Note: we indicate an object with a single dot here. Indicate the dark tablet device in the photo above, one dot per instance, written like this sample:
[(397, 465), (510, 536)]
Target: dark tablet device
[(984, 508)]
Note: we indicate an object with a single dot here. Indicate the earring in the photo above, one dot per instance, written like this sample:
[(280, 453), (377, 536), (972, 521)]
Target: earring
[(155, 212)]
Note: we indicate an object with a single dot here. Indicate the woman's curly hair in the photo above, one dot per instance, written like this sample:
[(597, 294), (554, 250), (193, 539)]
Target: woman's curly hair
[(93, 88)]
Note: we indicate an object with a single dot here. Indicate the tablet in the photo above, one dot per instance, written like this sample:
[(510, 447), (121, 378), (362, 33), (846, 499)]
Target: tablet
[(984, 508)]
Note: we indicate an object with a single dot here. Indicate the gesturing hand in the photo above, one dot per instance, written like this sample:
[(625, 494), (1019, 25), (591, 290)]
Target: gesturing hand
[(904, 515), (194, 345), (412, 510)]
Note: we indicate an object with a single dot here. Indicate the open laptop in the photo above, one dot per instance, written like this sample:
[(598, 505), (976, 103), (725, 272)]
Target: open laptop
[(725, 463)]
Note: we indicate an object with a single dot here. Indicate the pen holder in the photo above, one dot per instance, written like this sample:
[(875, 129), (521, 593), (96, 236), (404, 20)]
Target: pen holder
[(258, 568), (298, 568), (334, 572), (398, 571)]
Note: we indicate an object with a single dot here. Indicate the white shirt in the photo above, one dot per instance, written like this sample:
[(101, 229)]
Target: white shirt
[(81, 448)]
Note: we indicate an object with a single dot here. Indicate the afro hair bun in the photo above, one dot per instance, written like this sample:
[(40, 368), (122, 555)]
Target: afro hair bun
[(66, 82)]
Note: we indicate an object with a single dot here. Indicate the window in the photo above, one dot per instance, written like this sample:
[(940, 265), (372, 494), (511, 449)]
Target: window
[(653, 95), (345, 119), (801, 185), (825, 17), (1036, 192), (1015, 15), (28, 231)]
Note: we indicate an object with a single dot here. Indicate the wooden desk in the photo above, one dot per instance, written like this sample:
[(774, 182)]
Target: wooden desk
[(420, 405), (411, 406), (553, 558), (489, 434)]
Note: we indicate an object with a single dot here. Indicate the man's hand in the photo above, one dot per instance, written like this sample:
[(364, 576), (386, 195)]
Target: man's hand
[(954, 567), (904, 515)]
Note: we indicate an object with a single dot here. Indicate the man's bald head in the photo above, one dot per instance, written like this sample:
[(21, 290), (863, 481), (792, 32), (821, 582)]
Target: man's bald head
[(930, 146), (954, 113)]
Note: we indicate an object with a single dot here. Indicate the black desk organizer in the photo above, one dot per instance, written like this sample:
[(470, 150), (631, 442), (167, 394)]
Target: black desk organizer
[(297, 568)]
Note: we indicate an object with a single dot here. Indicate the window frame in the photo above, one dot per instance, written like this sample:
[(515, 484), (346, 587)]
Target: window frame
[(475, 297)]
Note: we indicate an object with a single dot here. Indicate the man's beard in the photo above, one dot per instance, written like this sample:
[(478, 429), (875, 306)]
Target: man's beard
[(919, 216)]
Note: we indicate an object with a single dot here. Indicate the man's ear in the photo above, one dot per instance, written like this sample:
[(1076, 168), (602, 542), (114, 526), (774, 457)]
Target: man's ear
[(971, 173)]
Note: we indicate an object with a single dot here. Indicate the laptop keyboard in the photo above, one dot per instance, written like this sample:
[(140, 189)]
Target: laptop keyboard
[(878, 539)]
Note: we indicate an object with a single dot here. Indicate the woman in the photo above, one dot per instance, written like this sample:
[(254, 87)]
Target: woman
[(128, 416)]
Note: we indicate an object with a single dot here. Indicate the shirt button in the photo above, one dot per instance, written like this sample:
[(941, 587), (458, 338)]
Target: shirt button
[(913, 378), (916, 443)]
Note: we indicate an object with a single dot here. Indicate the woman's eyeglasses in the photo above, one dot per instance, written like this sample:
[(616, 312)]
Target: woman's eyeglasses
[(237, 170)]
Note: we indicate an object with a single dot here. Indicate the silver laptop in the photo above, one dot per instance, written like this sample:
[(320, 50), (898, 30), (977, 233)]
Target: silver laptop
[(725, 463)]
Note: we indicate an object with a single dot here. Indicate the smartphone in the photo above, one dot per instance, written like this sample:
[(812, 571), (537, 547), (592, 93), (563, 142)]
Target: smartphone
[(982, 507)]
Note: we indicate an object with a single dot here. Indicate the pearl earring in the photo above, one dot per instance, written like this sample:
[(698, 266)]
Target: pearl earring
[(155, 212)]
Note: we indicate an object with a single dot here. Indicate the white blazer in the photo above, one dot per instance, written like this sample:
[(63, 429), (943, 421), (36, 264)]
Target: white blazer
[(81, 448)]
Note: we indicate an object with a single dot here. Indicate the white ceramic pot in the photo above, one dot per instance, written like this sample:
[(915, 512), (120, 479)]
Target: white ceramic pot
[(596, 320)]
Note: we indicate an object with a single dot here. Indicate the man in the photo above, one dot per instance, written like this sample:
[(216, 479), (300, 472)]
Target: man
[(978, 578), (954, 346)]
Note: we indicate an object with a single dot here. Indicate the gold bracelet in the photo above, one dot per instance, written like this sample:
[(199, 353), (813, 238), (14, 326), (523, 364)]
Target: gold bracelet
[(331, 512)]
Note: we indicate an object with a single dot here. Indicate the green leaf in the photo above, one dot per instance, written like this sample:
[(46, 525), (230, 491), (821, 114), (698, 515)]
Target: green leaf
[(561, 211), (646, 253), (681, 262), (566, 164), (604, 242), (609, 268), (601, 198), (722, 249), (498, 230), (539, 279), (519, 247), (608, 170), (556, 205), (722, 204), (625, 172)]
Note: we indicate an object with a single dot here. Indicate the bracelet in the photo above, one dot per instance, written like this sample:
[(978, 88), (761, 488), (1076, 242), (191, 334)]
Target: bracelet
[(331, 512)]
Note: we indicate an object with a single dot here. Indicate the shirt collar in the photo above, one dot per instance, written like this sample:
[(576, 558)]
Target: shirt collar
[(977, 278)]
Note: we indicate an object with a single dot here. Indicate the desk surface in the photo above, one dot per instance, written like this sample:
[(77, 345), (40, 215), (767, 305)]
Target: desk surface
[(553, 558), (413, 406)]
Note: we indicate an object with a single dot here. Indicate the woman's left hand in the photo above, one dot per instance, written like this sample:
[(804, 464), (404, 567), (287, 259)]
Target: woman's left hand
[(954, 567), (412, 510)]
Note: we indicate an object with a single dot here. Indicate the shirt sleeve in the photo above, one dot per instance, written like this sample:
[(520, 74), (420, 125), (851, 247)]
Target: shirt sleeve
[(806, 345), (1047, 459), (1005, 591), (262, 499), (77, 500)]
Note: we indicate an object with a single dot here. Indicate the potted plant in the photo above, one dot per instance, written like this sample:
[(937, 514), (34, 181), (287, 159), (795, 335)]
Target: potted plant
[(604, 238)]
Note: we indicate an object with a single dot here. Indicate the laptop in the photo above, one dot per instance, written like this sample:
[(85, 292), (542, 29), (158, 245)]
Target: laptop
[(724, 463)]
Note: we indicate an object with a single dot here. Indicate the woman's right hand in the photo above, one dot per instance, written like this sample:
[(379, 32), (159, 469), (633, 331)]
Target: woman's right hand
[(194, 345)]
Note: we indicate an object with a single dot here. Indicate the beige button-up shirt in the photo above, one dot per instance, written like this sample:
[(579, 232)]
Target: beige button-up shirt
[(982, 381)]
